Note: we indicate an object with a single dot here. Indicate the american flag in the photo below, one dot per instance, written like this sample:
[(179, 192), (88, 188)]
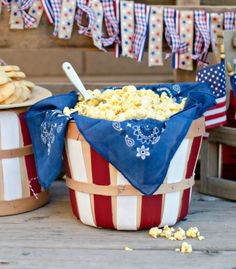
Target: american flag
[(215, 77), (233, 83)]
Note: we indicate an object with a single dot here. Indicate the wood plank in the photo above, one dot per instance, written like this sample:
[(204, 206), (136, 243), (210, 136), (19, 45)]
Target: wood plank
[(223, 135), (61, 84), (221, 187), (45, 61), (27, 258), (50, 237), (106, 64)]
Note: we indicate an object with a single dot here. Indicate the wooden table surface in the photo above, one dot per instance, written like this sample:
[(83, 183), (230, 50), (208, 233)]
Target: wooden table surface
[(51, 237)]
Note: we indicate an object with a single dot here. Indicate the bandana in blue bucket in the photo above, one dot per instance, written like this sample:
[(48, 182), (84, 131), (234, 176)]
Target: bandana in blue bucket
[(140, 149)]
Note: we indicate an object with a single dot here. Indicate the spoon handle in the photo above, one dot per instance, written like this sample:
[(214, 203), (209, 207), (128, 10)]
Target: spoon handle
[(75, 80)]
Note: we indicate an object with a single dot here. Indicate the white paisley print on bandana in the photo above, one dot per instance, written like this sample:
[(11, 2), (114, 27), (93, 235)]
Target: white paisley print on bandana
[(137, 133), (49, 129)]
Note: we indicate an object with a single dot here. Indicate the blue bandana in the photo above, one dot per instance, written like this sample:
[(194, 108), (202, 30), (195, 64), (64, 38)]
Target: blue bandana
[(140, 149)]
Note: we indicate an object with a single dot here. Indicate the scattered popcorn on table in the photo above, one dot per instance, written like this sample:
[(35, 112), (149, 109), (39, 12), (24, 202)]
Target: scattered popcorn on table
[(193, 232), (186, 248), (155, 232), (180, 234), (167, 232), (200, 237), (128, 103), (127, 248)]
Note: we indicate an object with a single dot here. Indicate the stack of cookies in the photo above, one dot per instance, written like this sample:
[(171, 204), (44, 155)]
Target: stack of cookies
[(13, 86)]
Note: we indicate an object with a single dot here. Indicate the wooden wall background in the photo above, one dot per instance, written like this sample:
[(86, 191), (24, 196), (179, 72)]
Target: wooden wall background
[(40, 55)]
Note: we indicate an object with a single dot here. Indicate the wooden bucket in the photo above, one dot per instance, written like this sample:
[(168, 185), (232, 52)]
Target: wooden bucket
[(102, 197), (20, 190)]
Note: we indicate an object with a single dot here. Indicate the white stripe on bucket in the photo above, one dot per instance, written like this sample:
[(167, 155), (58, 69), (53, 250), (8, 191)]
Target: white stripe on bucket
[(175, 174), (127, 207), (11, 167), (78, 172)]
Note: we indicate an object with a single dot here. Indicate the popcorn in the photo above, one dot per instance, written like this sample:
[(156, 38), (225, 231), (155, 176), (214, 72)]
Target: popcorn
[(127, 248), (193, 232), (180, 234), (186, 248), (155, 232), (128, 103), (200, 238), (167, 232)]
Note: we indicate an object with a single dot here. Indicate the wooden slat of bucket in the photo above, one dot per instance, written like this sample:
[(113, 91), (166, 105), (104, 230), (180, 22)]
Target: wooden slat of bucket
[(22, 205), (11, 167), (78, 171)]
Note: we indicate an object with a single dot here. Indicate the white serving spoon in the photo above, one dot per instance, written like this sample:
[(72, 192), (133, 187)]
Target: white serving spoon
[(75, 80)]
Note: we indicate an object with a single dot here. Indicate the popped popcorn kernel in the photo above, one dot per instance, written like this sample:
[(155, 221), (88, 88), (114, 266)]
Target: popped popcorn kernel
[(126, 248), (66, 111), (128, 103), (186, 248), (193, 232), (200, 237), (172, 238), (177, 249), (166, 232), (155, 232), (180, 234)]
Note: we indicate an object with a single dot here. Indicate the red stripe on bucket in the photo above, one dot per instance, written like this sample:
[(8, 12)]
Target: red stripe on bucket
[(66, 164), (151, 211), (189, 173), (29, 160), (102, 204), (185, 204), (193, 156), (73, 201)]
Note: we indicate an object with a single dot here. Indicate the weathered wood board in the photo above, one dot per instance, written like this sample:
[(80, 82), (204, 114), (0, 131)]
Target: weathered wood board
[(52, 238)]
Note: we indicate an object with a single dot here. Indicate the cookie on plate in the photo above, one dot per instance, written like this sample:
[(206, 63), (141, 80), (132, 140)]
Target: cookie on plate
[(6, 91), (16, 74), (4, 78), (8, 68)]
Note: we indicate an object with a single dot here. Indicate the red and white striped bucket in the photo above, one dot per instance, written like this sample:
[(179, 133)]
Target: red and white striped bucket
[(20, 190), (102, 197)]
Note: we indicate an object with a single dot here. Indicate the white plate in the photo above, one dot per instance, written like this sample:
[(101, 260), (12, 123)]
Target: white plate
[(38, 93)]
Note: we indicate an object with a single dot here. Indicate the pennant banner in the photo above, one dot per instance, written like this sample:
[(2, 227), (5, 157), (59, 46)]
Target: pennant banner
[(139, 39), (67, 19), (48, 10), (96, 29), (155, 56), (91, 17), (117, 15), (184, 28), (36, 11), (216, 26), (172, 37), (111, 23), (202, 37), (229, 20), (127, 27)]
